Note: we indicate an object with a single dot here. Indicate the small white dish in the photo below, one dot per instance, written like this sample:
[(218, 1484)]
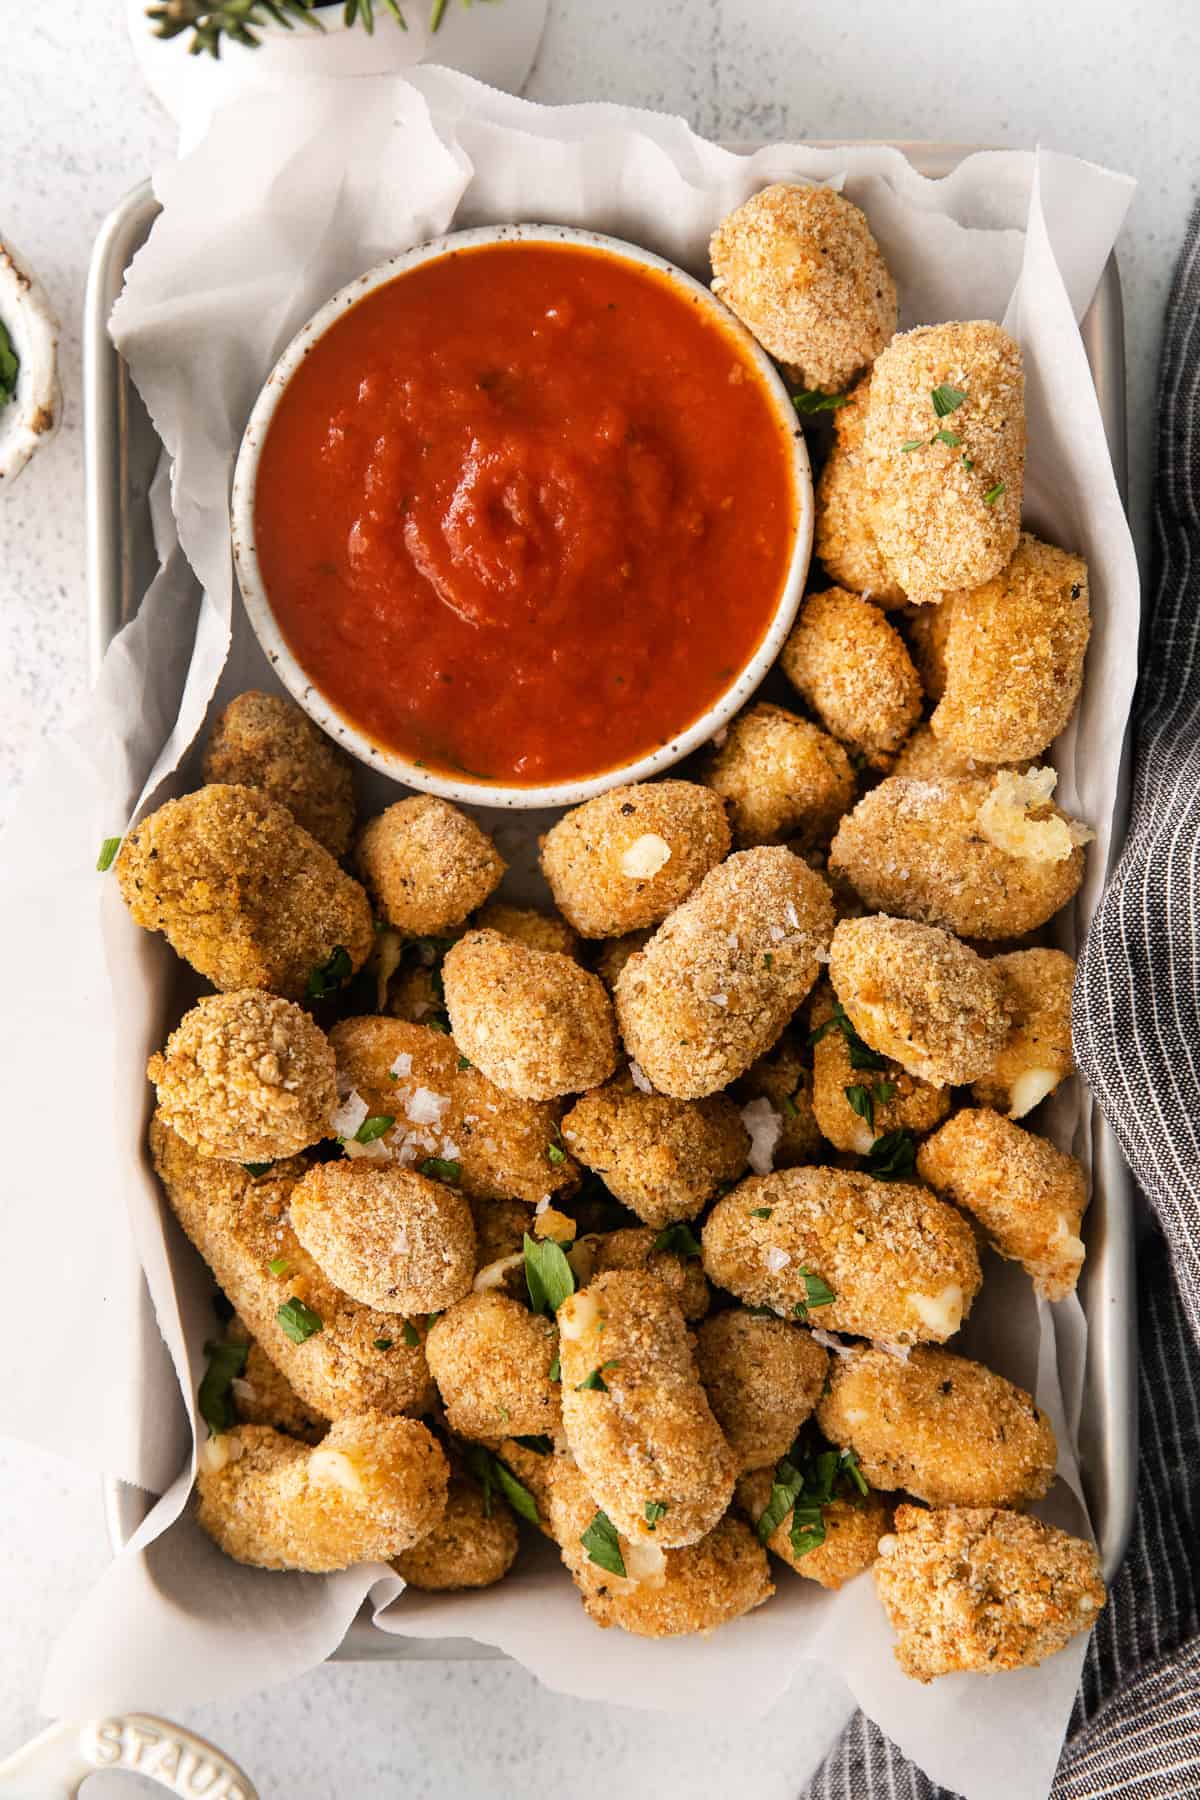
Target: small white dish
[(30, 418), (390, 762)]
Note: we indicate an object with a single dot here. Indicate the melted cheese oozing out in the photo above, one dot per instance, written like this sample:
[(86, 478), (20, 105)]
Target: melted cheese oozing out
[(645, 1563), (492, 1274), (1031, 1086), (335, 1468), (941, 1312), (578, 1315), (1065, 1241), (645, 856)]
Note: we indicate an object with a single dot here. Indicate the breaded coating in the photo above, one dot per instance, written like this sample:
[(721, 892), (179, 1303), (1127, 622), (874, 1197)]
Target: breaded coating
[(263, 1395), (473, 1545), (1014, 656), (500, 1227), (983, 1590), (762, 1377), (946, 1430), (663, 1593), (444, 1108), (853, 1529), (901, 1265), (1029, 1196), (532, 1021), (781, 777), (784, 1078), (720, 979), (633, 1248), (616, 952), (915, 993), (843, 538), (629, 857), (239, 1224), (800, 268), (373, 1487), (895, 1100), (1036, 1055), (393, 1239), (664, 1159), (264, 741), (414, 993), (541, 1473), (924, 757), (427, 864), (242, 892), (530, 926), (927, 628), (491, 1358), (852, 668), (634, 1412), (945, 445), (246, 1076), (917, 848)]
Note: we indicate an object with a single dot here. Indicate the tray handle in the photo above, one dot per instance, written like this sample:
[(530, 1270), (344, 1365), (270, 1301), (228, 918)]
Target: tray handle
[(55, 1765)]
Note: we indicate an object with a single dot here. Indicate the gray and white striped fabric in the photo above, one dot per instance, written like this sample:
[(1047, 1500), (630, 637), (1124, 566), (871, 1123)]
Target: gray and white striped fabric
[(1136, 1726)]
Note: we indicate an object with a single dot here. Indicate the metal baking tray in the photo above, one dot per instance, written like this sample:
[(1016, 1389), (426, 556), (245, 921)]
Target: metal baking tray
[(122, 451)]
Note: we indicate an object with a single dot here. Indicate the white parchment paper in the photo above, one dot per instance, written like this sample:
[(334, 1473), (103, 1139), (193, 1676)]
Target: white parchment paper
[(286, 198)]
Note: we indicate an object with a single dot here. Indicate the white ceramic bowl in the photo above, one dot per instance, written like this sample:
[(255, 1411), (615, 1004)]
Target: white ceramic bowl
[(390, 762)]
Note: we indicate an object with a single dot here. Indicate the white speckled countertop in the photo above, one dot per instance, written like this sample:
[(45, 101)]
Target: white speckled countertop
[(76, 131)]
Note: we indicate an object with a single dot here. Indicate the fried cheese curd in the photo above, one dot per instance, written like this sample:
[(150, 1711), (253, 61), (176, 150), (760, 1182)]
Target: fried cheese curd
[(801, 270), (614, 953), (918, 849), (663, 1592), (241, 892), (785, 1080), (441, 1109), (781, 777), (635, 1415), (762, 1377), (263, 1395), (662, 1158), (945, 445), (924, 757), (491, 1359), (530, 926), (926, 629), (427, 865), (916, 994), (239, 1223), (1014, 655), (851, 666), (627, 858), (633, 1247), (1036, 1055), (1029, 1196), (389, 1237), (375, 1485), (942, 1428), (534, 1022), (264, 741), (853, 1529), (247, 1077), (894, 1100), (980, 1589), (843, 538), (717, 983), (901, 1264), (473, 1544)]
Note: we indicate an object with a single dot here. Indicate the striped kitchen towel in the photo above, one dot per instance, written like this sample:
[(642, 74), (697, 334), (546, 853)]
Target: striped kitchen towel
[(1135, 1731)]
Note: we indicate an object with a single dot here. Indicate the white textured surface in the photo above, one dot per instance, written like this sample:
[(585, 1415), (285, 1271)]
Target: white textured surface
[(76, 131)]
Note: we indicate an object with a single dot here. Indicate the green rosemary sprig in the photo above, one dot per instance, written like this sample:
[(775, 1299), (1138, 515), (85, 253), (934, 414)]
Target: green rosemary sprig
[(212, 21)]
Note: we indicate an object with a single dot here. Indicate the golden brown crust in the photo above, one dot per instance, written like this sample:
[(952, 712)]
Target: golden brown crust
[(916, 994), (781, 777), (980, 1589), (246, 1076), (263, 1395), (800, 268), (1029, 1196), (844, 539), (663, 1158), (902, 1265), (242, 892), (930, 508), (635, 1414), (532, 1021), (614, 953), (473, 1545), (853, 669), (927, 758), (926, 629), (718, 981), (762, 1377), (946, 1430), (853, 1529), (264, 741), (530, 926), (1036, 1055), (898, 1101), (373, 1487), (386, 1236), (784, 1077), (491, 1358), (627, 858), (633, 1248), (427, 865)]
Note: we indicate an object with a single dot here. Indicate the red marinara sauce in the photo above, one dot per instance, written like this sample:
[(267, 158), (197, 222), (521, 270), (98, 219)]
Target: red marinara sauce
[(524, 511)]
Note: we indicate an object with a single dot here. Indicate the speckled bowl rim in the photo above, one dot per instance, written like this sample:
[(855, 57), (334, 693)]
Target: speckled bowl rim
[(301, 685)]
